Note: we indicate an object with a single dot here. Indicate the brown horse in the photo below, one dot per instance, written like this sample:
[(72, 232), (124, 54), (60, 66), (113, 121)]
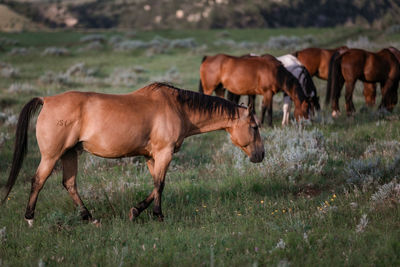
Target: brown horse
[(252, 76), (152, 122), (356, 64), (317, 60)]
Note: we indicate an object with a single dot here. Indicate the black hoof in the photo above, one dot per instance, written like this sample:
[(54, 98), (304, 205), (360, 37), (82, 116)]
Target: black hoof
[(86, 216), (159, 217), (133, 213)]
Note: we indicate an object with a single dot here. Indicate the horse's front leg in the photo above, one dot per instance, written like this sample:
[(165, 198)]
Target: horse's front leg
[(287, 103), (369, 93), (158, 166)]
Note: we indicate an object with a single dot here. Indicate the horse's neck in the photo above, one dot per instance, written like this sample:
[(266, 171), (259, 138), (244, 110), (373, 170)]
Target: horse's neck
[(204, 122), (291, 90)]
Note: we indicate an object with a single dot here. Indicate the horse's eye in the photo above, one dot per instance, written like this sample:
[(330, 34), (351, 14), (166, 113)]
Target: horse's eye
[(255, 127)]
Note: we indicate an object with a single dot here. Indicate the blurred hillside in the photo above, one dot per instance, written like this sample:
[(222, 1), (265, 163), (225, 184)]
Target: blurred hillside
[(177, 14)]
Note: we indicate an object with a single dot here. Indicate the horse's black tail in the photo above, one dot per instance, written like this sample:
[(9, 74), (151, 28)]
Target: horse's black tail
[(335, 77), (21, 141)]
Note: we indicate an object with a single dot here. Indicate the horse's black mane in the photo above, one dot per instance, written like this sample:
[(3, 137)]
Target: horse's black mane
[(285, 77), (201, 102)]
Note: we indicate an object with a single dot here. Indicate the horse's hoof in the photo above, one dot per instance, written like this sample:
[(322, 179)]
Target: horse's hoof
[(133, 213), (30, 222), (96, 223), (160, 218), (335, 114)]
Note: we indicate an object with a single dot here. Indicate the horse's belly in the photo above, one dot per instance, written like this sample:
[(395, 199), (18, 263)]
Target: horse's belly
[(114, 149), (116, 142)]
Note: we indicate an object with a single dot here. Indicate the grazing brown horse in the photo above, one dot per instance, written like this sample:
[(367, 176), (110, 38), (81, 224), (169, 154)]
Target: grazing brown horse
[(316, 61), (252, 76), (356, 64), (152, 122)]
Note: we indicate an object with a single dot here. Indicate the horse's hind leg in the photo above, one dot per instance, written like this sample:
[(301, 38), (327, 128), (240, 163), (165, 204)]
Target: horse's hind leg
[(350, 109), (70, 168), (42, 173), (267, 105), (369, 93), (389, 94)]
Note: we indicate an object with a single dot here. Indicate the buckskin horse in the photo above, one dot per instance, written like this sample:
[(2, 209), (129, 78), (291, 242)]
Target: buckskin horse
[(317, 60), (152, 122), (252, 76), (356, 64)]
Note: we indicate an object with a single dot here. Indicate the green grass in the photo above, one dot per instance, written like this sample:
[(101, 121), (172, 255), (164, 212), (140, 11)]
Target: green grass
[(220, 209)]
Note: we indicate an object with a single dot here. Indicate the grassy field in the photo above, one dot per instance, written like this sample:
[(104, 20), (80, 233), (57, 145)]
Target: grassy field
[(326, 193)]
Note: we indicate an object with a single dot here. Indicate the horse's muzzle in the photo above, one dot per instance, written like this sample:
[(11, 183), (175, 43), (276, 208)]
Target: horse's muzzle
[(257, 157)]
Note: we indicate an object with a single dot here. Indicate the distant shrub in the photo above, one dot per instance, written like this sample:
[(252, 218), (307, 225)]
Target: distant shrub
[(172, 75), (21, 87), (4, 137), (158, 44), (275, 42), (55, 51), (129, 45), (93, 38), (19, 51), (394, 29), (95, 45), (114, 40), (80, 69), (362, 42), (289, 42), (183, 43), (8, 41), (7, 71), (8, 118), (123, 76), (50, 77)]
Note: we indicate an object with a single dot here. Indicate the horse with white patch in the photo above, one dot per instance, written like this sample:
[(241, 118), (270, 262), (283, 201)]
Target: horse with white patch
[(294, 66)]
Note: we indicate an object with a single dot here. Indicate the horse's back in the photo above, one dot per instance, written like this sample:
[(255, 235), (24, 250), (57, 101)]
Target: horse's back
[(310, 58), (291, 63), (107, 125), (249, 75)]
